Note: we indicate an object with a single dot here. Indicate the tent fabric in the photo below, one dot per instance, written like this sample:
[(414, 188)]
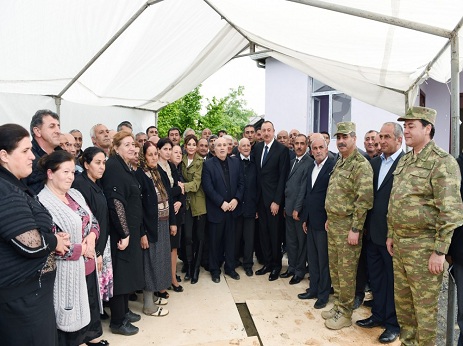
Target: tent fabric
[(174, 45)]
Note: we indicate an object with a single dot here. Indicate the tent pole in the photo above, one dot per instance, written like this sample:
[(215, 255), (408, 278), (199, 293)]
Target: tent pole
[(227, 20), (455, 97), (408, 24), (58, 104), (108, 44), (454, 150)]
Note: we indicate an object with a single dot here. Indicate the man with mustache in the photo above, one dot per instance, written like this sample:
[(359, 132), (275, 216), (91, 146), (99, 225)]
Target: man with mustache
[(100, 137), (314, 218), (294, 198), (349, 196)]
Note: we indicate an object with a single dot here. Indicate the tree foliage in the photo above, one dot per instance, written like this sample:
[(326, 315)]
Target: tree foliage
[(229, 113)]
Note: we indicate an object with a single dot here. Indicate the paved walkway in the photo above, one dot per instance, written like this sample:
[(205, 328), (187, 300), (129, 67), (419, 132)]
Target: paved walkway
[(206, 314)]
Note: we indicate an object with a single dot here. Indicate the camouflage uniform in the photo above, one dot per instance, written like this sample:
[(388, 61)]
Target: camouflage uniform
[(424, 209), (349, 196)]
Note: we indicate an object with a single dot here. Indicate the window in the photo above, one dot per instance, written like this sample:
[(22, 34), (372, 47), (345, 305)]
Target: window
[(329, 107)]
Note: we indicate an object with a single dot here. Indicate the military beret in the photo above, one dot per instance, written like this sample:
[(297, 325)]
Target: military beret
[(420, 113), (345, 127)]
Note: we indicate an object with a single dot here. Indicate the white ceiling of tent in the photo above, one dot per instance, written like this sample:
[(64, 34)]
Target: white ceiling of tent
[(174, 45)]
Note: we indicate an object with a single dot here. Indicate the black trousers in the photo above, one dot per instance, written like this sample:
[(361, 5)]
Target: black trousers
[(194, 233), (119, 306), (319, 270), (244, 233), (362, 272), (222, 245), (382, 285), (270, 237)]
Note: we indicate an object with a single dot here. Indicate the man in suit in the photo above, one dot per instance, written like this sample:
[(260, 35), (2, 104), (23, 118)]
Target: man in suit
[(378, 259), (272, 160), (45, 131), (222, 182), (314, 218), (245, 222), (294, 198)]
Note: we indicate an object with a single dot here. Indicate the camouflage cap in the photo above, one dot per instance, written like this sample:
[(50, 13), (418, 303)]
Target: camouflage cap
[(345, 127), (420, 113)]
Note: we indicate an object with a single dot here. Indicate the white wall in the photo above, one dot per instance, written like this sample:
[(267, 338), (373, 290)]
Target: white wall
[(287, 105), (286, 96), (438, 97), (366, 118), (19, 109)]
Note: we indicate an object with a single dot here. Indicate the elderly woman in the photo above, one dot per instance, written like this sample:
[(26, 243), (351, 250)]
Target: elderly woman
[(27, 249), (93, 161), (177, 191), (158, 222), (76, 295), (123, 195), (195, 215)]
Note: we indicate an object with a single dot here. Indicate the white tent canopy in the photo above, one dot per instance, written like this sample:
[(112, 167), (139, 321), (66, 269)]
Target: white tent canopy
[(147, 54)]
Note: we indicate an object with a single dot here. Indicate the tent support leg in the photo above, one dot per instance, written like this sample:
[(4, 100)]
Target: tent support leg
[(454, 150), (58, 105)]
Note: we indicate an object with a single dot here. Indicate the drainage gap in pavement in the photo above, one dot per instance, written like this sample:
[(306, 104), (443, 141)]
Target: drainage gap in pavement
[(248, 323)]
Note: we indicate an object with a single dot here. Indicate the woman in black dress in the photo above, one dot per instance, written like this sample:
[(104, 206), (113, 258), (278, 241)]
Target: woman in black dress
[(177, 191), (123, 195), (27, 249)]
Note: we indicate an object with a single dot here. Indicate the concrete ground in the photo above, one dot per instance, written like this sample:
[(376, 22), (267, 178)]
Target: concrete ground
[(250, 311)]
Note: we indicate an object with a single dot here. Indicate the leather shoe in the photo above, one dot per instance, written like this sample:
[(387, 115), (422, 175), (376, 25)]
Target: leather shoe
[(319, 304), (126, 328), (307, 295), (216, 278), (233, 274), (368, 323), (388, 336), (132, 317), (295, 280), (368, 303), (286, 274), (273, 275), (357, 302), (249, 272), (264, 270)]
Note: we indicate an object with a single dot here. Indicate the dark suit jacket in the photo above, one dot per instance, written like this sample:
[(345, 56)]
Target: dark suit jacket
[(376, 221), (248, 205), (215, 188), (296, 184), (314, 212), (271, 177)]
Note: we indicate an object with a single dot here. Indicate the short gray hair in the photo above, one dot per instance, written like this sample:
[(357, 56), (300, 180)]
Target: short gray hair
[(398, 131)]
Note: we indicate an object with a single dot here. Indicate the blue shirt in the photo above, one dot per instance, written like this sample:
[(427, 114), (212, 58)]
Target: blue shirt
[(386, 164)]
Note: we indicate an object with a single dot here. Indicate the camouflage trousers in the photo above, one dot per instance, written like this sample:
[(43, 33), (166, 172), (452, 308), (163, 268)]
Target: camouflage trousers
[(343, 259), (416, 291)]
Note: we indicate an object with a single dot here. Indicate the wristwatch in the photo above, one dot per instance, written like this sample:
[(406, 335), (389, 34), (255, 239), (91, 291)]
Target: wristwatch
[(355, 230), (438, 253)]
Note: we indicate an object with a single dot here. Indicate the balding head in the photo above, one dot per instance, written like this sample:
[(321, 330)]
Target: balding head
[(283, 138)]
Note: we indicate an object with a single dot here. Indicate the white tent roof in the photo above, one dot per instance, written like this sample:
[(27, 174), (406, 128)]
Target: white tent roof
[(173, 45)]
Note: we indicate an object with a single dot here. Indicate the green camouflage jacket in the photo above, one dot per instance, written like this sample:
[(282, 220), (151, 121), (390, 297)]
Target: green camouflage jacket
[(425, 199), (350, 190)]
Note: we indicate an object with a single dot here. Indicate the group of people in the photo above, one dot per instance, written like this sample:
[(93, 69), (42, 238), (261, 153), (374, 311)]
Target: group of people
[(84, 229)]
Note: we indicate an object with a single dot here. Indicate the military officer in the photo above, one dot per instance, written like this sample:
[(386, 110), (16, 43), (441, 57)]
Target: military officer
[(349, 196), (424, 208)]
